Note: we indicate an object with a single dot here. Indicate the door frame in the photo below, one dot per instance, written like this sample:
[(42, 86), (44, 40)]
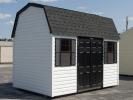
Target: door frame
[(89, 89)]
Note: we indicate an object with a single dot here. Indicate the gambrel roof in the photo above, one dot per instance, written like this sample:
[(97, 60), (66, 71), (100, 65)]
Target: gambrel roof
[(66, 22)]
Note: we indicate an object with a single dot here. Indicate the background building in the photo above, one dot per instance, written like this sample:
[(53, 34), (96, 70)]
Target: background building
[(6, 51), (126, 53)]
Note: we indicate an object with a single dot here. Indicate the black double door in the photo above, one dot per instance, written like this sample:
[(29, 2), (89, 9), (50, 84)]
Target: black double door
[(90, 63)]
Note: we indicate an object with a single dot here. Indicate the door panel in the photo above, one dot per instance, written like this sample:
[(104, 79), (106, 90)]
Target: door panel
[(90, 63)]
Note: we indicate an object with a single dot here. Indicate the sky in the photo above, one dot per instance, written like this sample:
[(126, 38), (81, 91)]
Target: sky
[(115, 9)]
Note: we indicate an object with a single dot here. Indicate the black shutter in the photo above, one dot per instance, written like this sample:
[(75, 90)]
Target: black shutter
[(73, 50), (105, 52), (115, 53)]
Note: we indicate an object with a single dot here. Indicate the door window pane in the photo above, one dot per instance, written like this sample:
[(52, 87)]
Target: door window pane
[(65, 59), (57, 45), (57, 59), (65, 45)]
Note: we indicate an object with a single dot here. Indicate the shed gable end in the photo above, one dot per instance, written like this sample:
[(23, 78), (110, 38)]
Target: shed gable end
[(32, 52), (24, 9)]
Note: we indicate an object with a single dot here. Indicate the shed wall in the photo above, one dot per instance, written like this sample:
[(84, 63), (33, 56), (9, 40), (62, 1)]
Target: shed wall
[(64, 79), (33, 53)]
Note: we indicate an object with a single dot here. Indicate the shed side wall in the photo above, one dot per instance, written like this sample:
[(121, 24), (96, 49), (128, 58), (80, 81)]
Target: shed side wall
[(33, 53)]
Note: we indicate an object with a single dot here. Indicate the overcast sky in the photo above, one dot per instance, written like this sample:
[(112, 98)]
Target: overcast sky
[(116, 9)]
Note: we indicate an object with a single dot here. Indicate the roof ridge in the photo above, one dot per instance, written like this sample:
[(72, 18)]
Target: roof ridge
[(79, 12), (37, 4)]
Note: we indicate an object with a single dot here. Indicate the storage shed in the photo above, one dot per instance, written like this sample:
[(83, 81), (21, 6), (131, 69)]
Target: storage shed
[(126, 53), (59, 51), (6, 52)]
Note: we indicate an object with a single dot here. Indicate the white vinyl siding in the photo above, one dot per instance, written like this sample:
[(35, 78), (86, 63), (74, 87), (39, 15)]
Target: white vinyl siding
[(64, 78), (111, 72), (32, 67)]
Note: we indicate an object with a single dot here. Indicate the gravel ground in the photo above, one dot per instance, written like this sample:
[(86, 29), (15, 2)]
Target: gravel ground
[(122, 92)]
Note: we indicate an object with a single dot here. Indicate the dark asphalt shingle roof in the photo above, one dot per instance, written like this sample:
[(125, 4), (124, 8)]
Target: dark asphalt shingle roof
[(73, 23)]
